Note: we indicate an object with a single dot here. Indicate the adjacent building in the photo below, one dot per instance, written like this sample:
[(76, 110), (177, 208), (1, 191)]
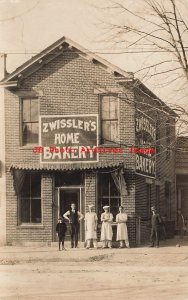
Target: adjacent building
[(182, 175), (79, 129)]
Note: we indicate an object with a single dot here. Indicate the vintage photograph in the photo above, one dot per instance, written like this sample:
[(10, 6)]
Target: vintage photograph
[(94, 149)]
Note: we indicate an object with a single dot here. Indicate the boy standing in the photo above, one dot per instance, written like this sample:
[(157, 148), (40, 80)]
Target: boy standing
[(61, 229)]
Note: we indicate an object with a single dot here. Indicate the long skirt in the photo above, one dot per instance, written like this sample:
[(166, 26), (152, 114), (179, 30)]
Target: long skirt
[(106, 231)]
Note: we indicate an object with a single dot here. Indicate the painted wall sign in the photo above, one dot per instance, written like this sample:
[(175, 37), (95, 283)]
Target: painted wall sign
[(69, 138), (145, 137)]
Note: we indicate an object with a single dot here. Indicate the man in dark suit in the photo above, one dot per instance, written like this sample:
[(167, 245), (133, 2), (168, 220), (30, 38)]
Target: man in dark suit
[(74, 217), (155, 224)]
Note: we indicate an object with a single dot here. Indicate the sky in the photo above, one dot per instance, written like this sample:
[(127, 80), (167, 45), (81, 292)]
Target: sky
[(28, 26)]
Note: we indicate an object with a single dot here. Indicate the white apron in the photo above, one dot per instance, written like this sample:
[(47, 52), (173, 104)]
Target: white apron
[(122, 234), (106, 230), (90, 219)]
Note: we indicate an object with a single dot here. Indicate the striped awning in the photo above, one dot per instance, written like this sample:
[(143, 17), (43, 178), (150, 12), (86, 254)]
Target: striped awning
[(68, 166)]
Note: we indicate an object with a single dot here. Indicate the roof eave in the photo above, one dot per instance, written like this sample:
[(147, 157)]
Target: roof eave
[(8, 84), (59, 44), (170, 110)]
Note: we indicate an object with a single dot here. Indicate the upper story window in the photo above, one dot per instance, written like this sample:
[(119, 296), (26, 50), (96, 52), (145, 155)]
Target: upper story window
[(30, 121), (109, 111)]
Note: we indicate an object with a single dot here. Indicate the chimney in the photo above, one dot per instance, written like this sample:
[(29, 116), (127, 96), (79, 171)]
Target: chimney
[(4, 55)]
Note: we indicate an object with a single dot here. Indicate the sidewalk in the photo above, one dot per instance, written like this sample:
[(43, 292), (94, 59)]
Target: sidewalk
[(19, 254)]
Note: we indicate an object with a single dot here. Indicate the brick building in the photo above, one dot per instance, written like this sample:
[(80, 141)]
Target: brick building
[(68, 98), (182, 175)]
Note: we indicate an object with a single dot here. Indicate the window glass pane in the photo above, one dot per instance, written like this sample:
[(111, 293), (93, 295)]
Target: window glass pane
[(103, 184), (30, 121), (105, 114), (25, 210), (34, 110), (26, 110), (35, 185), (30, 133), (36, 210), (34, 133), (113, 188), (114, 206), (26, 133), (114, 131), (106, 131), (25, 192), (31, 207), (113, 108), (109, 118)]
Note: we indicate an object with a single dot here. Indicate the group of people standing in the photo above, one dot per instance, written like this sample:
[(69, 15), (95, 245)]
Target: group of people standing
[(91, 220)]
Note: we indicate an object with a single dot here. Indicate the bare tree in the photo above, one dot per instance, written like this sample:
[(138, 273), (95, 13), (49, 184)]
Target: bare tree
[(159, 27)]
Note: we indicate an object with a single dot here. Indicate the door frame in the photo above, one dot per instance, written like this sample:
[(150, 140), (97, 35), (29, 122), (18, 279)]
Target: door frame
[(80, 189)]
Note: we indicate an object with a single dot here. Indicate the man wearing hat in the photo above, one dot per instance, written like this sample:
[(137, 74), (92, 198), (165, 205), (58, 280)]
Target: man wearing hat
[(155, 223), (106, 230), (91, 227), (61, 229)]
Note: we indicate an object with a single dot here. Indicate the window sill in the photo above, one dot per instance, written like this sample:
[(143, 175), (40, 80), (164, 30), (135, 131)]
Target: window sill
[(28, 147), (109, 146), (29, 226)]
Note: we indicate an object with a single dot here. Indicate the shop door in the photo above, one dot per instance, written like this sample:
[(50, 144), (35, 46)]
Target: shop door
[(64, 197), (68, 196)]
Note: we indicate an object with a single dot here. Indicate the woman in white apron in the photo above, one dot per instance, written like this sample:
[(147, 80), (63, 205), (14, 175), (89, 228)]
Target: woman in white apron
[(91, 227), (106, 230), (122, 235)]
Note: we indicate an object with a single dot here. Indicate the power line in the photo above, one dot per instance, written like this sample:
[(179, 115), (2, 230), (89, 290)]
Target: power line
[(96, 51)]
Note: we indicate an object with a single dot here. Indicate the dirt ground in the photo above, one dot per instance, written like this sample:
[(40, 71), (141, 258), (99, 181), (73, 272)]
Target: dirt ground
[(137, 273)]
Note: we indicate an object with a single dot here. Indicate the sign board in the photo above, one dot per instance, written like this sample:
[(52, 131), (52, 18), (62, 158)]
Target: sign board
[(145, 138), (69, 138)]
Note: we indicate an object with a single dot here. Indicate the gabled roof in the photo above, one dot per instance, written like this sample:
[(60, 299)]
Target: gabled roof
[(13, 79), (56, 49)]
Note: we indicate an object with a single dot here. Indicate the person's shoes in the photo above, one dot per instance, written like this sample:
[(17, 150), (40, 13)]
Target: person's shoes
[(120, 247), (110, 247), (87, 247), (151, 246), (157, 246)]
